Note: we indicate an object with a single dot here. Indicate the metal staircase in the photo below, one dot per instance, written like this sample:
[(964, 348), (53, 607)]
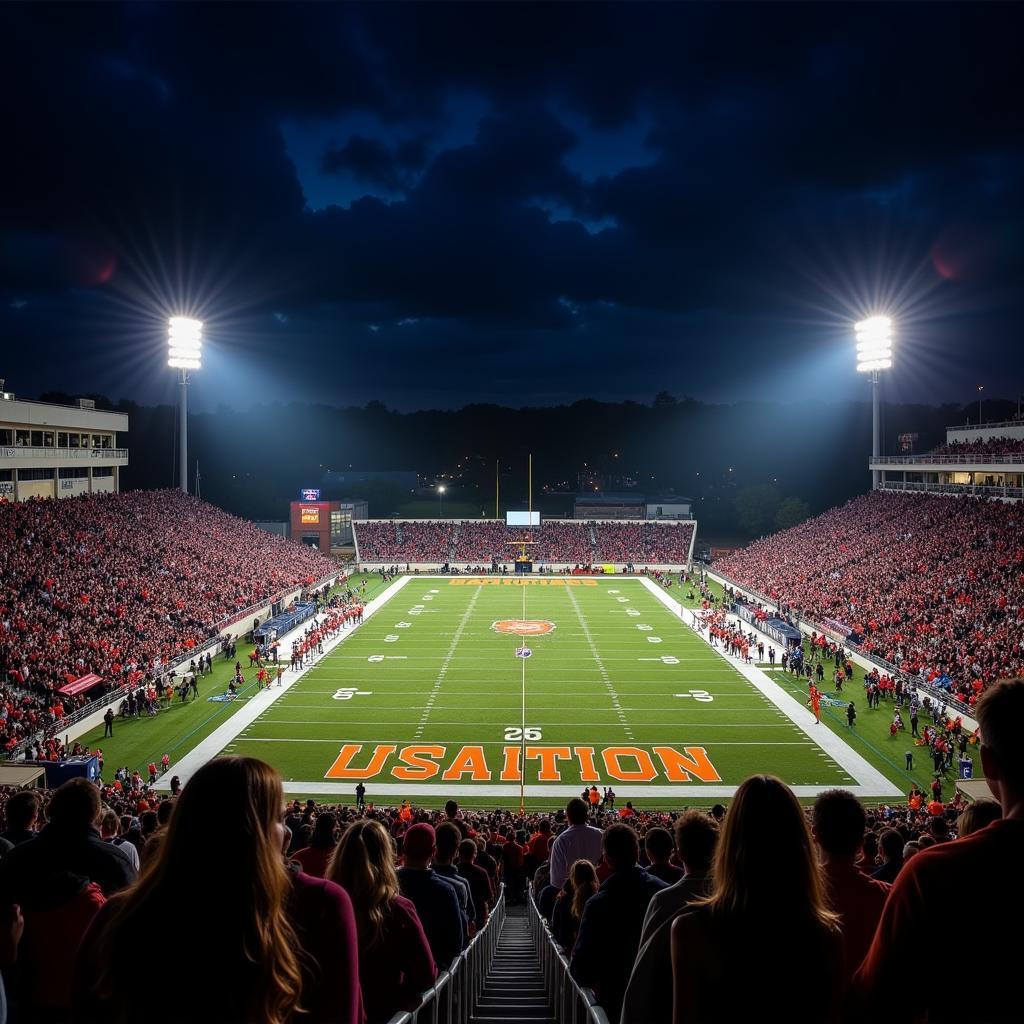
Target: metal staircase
[(514, 989)]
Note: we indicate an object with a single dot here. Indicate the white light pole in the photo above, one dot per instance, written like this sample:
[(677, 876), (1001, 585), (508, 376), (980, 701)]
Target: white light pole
[(184, 353), (874, 354), (440, 499), (981, 387)]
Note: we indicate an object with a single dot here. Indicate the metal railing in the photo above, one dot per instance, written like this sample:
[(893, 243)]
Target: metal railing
[(452, 998), (961, 707), (74, 454), (978, 490), (1010, 459), (987, 426), (573, 1003)]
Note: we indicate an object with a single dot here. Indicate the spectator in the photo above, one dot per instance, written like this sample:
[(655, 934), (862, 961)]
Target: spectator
[(609, 932), (890, 845), (977, 815), (434, 898), (767, 883), (60, 879), (314, 858), (447, 839), (838, 825), (395, 962), (479, 882), (281, 939), (21, 812), (648, 1000), (109, 829), (579, 841), (658, 846), (990, 858), (581, 884)]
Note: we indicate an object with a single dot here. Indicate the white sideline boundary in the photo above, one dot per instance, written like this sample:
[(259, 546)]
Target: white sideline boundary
[(870, 781), (224, 734)]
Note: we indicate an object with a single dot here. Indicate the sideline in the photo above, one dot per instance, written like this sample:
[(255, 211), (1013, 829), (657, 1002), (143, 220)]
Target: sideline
[(258, 703), (870, 781)]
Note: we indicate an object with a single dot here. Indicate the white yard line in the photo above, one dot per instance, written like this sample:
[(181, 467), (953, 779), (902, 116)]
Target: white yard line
[(870, 781), (600, 665), (257, 704), (445, 663)]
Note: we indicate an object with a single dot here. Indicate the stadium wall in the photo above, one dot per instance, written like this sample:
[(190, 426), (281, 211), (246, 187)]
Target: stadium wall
[(807, 627)]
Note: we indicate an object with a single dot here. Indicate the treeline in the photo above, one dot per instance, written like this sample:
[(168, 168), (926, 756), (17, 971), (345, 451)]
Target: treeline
[(750, 467)]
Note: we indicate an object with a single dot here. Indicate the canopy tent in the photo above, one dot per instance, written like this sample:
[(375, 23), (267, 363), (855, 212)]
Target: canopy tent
[(80, 685)]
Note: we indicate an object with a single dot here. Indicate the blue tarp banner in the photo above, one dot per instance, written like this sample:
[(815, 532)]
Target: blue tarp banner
[(778, 629), (281, 624)]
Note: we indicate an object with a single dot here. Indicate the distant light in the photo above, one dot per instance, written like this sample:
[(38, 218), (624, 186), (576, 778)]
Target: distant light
[(184, 343), (441, 490), (874, 344)]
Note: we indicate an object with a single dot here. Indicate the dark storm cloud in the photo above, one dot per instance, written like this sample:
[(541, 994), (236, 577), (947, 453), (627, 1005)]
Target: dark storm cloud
[(148, 160)]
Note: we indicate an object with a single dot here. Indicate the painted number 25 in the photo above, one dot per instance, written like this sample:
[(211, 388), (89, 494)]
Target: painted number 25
[(514, 734)]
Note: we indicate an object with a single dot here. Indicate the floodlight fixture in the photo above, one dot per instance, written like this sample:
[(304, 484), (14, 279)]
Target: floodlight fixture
[(184, 353), (184, 343), (874, 344), (874, 353)]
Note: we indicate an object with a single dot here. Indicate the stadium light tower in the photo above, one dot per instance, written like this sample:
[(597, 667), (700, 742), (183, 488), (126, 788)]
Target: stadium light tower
[(184, 353), (874, 354)]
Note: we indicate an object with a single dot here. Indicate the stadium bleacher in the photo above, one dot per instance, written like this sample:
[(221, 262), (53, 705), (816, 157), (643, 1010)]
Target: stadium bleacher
[(933, 585), (481, 542), (112, 584)]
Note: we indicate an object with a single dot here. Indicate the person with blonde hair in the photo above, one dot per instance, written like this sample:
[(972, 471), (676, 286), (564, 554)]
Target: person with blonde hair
[(581, 884), (767, 915), (395, 962), (284, 944)]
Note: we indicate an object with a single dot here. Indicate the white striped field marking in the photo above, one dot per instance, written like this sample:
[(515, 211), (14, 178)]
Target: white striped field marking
[(447, 661), (600, 664)]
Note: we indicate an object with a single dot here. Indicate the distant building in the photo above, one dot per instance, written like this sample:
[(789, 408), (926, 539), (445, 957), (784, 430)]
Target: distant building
[(326, 525), (58, 451), (990, 467), (630, 505)]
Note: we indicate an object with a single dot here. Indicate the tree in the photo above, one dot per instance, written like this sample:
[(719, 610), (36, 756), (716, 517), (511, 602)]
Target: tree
[(791, 512), (756, 505)]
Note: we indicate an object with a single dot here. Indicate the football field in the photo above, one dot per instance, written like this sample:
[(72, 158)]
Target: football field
[(475, 687)]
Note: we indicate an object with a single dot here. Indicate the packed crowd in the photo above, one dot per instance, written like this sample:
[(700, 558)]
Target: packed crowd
[(644, 543), (118, 584), (992, 446), (489, 541), (346, 914), (932, 585)]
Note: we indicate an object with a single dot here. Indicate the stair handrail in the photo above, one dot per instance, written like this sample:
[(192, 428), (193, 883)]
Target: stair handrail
[(573, 1003), (452, 997)]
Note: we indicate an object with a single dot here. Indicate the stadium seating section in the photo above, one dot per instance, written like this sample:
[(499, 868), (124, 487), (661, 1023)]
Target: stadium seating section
[(482, 542), (993, 446), (109, 584), (935, 585)]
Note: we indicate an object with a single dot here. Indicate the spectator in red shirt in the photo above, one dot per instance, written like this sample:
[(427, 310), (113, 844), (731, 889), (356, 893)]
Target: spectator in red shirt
[(918, 905), (838, 824), (395, 962), (314, 858), (281, 939)]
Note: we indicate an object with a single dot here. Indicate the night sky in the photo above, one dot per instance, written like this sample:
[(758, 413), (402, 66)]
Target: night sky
[(439, 204)]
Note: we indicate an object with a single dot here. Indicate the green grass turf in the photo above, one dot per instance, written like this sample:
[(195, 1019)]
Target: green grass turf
[(870, 735), (478, 696), (180, 727), (597, 679)]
